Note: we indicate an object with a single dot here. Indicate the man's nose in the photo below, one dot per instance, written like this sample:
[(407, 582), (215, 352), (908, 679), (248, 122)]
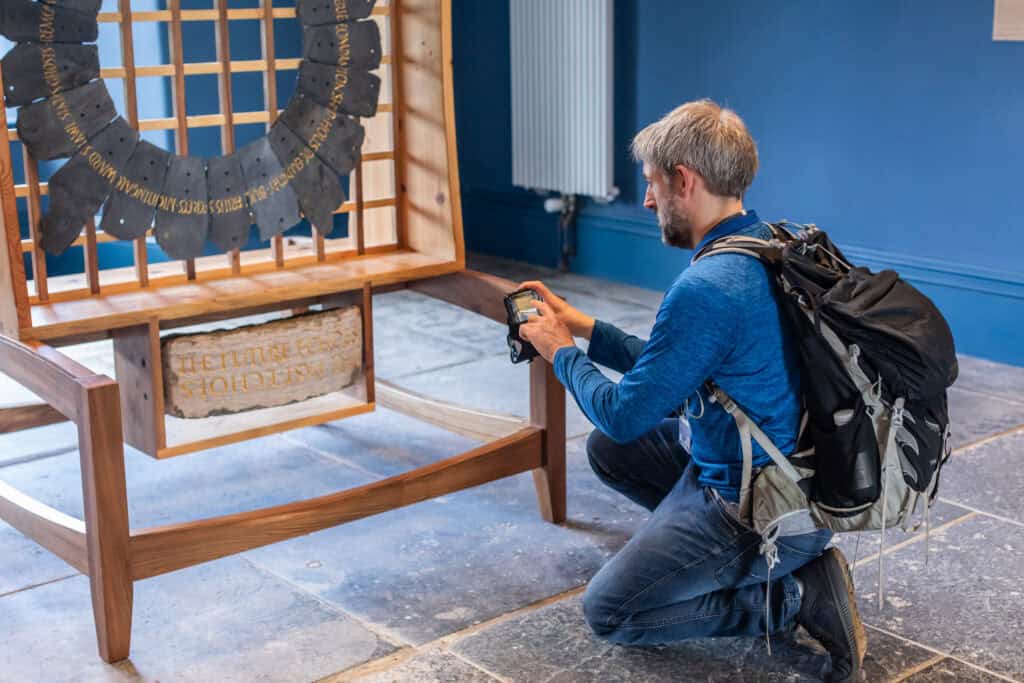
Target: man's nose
[(649, 202)]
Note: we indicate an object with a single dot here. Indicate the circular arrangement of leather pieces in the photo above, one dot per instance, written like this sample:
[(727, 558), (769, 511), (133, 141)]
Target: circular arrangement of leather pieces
[(64, 110)]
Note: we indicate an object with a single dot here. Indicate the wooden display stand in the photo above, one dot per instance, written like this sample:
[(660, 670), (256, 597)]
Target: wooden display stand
[(405, 231)]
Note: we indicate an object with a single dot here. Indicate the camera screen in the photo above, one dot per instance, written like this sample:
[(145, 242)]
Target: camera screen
[(524, 306)]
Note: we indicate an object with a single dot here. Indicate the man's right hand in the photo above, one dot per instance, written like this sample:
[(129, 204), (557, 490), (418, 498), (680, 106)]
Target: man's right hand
[(579, 323)]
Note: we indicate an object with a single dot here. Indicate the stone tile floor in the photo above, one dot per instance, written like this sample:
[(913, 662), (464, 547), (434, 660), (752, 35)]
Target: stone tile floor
[(474, 586)]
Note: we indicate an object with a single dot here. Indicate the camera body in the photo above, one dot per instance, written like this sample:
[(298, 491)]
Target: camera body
[(519, 307)]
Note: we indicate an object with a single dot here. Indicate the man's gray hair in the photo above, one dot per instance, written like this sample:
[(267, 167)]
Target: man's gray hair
[(707, 138)]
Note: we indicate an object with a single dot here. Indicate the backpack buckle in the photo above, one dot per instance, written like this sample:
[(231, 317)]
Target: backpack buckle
[(727, 404), (716, 395)]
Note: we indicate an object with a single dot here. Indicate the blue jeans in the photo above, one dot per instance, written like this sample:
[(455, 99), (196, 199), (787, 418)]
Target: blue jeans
[(693, 570)]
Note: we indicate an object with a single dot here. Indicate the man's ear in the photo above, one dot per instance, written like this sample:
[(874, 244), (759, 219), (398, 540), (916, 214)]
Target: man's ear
[(684, 180)]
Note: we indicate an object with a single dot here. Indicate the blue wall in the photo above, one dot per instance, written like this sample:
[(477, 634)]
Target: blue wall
[(897, 125)]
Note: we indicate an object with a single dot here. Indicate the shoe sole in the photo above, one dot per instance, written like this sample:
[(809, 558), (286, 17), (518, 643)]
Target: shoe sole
[(856, 636)]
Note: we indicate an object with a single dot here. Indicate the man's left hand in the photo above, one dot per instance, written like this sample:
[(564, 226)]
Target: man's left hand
[(546, 332)]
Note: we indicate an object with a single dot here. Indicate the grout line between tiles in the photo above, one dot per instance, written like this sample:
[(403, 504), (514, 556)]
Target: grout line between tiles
[(444, 643), (330, 456), (33, 457), (452, 638), (967, 448), (478, 667), (916, 538), (927, 664), (375, 629), (374, 666), (937, 651), (988, 394), (447, 366), (41, 583), (993, 515)]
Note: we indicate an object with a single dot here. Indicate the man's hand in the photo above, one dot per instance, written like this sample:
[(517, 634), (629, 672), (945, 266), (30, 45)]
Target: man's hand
[(579, 324), (546, 332)]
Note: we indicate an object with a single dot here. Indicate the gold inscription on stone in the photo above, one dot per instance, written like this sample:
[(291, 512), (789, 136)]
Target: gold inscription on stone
[(260, 366)]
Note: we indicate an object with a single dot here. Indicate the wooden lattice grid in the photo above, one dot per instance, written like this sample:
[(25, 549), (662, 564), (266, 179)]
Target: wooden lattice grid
[(371, 200)]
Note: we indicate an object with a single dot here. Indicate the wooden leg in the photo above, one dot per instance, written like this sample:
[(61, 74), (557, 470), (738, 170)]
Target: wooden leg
[(547, 410), (106, 517)]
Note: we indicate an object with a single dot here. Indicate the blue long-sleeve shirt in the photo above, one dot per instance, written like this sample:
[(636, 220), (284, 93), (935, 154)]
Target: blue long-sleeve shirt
[(718, 320)]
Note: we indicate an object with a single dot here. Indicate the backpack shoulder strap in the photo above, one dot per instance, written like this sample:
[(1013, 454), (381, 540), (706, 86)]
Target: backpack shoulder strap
[(736, 244), (766, 251), (749, 430)]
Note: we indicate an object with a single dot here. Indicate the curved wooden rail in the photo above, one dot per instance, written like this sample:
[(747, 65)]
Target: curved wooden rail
[(468, 422), (163, 549), (48, 374), (114, 558), (61, 534), (62, 383), (15, 418)]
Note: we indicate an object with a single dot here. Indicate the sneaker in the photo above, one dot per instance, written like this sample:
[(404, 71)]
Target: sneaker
[(829, 613)]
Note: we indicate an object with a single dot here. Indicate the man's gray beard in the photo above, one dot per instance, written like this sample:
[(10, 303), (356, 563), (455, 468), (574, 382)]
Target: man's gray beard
[(676, 231)]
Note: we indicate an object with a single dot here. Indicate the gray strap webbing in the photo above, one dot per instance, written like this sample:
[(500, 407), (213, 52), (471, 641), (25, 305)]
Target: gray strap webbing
[(887, 462), (733, 245), (748, 430)]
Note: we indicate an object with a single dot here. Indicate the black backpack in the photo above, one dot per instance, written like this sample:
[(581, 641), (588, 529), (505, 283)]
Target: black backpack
[(876, 360)]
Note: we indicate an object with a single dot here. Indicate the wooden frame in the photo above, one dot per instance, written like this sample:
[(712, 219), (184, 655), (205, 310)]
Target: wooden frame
[(406, 220), (420, 247), (113, 557)]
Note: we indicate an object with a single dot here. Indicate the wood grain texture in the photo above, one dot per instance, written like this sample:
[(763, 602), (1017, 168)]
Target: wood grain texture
[(330, 301), (270, 72), (270, 97), (163, 549), (35, 214), (369, 378), (470, 289), (202, 120), (162, 274), (139, 253), (468, 422), (109, 311), (105, 501), (16, 418), (224, 86), (191, 436), (420, 208), (177, 53), (61, 534), (209, 15), (225, 95), (14, 312), (320, 246), (360, 217), (45, 372), (448, 90), (14, 304), (395, 51), (425, 125), (547, 410), (91, 259), (137, 367)]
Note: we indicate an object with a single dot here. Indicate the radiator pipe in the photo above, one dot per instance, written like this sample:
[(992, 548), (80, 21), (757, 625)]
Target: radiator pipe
[(567, 206)]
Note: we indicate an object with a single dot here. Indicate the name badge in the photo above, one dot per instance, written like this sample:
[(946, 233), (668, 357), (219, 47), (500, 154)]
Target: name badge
[(685, 435)]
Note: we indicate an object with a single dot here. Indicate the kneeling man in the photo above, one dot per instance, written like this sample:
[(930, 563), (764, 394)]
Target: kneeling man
[(694, 569)]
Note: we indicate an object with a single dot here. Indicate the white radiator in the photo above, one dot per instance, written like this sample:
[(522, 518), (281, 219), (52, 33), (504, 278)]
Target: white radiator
[(562, 96)]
